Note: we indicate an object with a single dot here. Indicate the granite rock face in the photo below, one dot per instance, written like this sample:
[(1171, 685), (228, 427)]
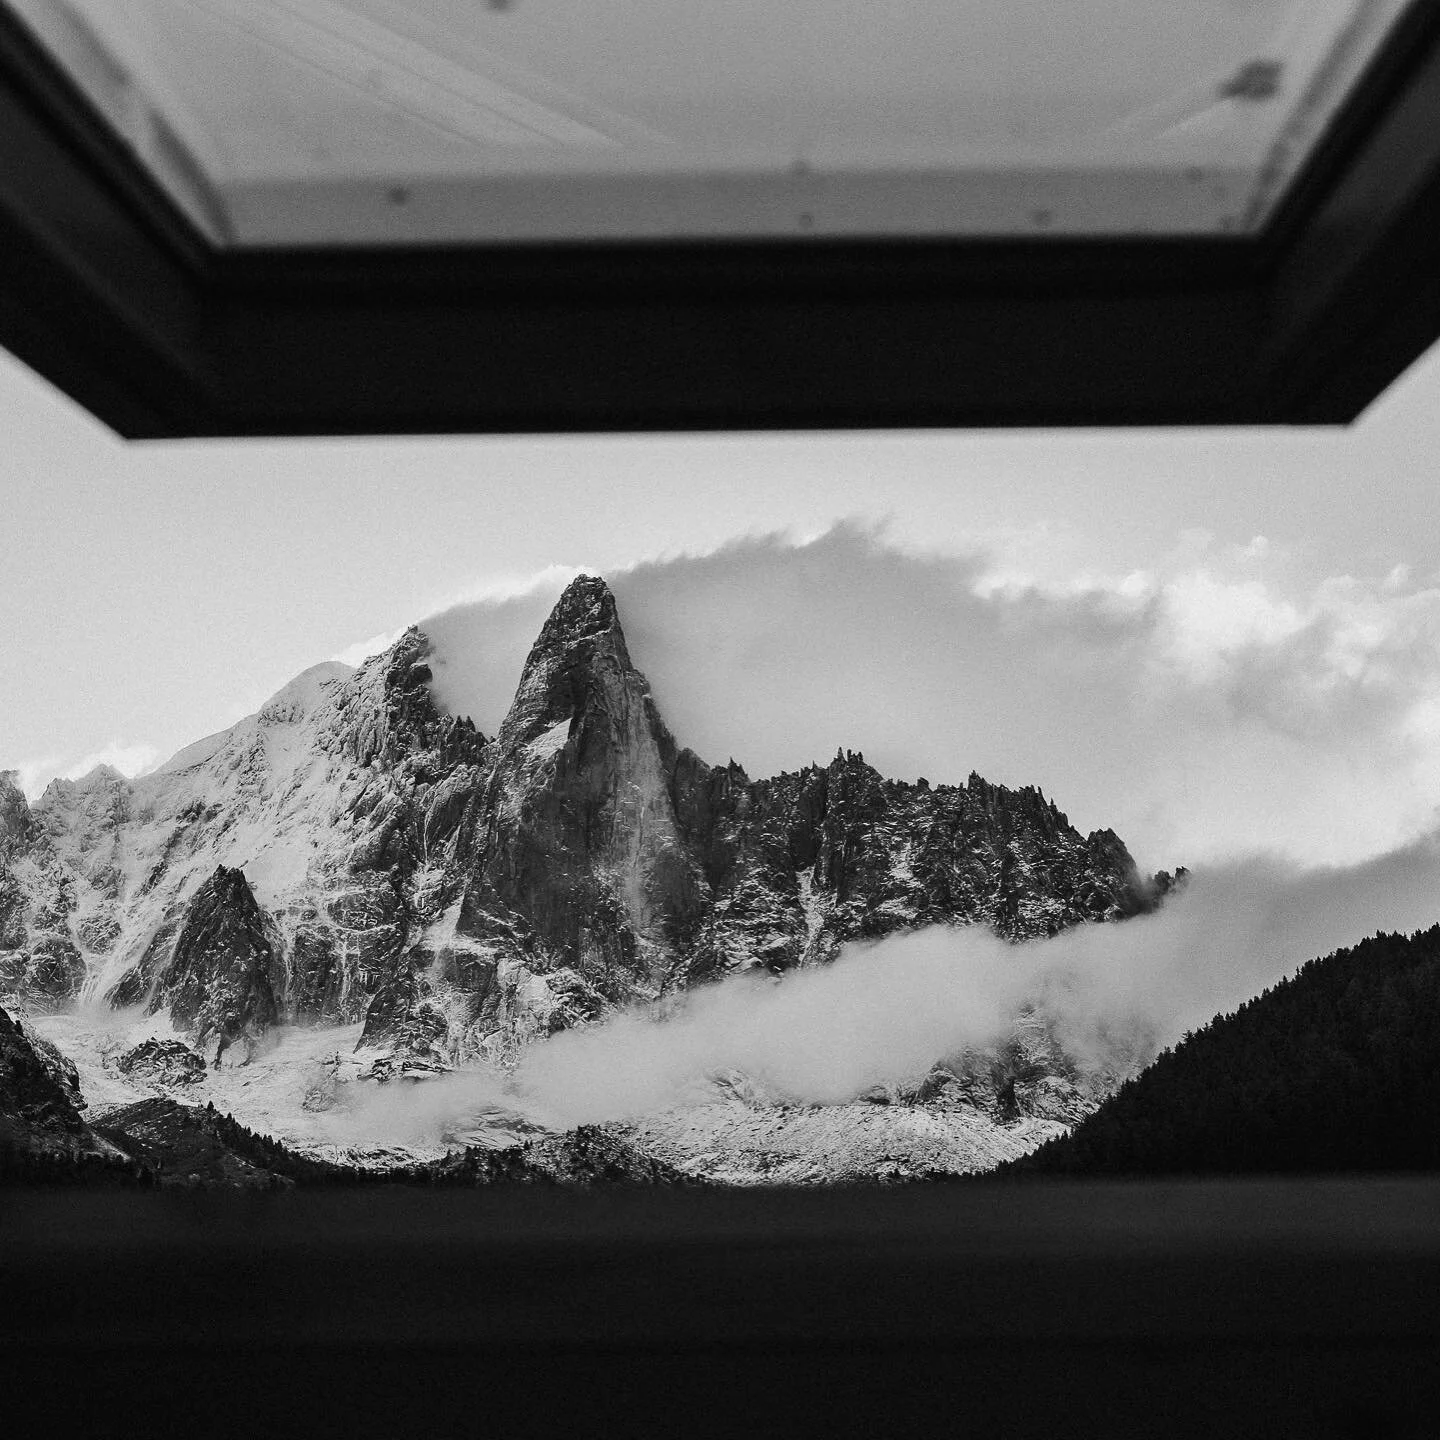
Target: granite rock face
[(15, 824), (350, 853), (573, 849), (595, 861), (217, 981), (45, 974), (804, 862), (40, 963)]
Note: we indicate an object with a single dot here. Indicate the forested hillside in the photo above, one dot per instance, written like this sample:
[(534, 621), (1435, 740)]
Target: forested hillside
[(1336, 1068)]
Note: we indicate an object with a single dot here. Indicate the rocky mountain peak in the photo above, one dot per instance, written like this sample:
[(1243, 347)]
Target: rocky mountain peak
[(303, 695), (99, 778), (578, 830), (579, 655), (586, 607), (230, 888), (385, 711), (218, 980)]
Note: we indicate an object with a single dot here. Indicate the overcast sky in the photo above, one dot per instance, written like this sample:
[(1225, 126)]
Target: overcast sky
[(1212, 641)]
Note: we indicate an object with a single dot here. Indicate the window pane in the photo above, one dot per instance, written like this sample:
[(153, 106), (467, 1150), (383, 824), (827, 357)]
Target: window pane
[(395, 121)]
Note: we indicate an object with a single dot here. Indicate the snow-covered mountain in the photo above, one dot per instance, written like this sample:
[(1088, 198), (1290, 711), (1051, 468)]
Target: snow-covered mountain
[(351, 856)]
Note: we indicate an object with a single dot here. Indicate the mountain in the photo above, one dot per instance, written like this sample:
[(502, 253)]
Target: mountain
[(43, 1136), (351, 853), (352, 856), (300, 821), (1336, 1068)]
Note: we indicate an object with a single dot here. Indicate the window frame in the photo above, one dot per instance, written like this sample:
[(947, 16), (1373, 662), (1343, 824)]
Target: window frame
[(111, 294)]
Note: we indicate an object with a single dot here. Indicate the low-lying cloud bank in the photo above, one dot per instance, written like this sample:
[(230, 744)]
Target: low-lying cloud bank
[(883, 1013), (1200, 712)]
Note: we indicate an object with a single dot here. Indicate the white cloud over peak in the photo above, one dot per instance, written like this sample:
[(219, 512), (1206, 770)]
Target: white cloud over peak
[(1209, 707), (544, 584)]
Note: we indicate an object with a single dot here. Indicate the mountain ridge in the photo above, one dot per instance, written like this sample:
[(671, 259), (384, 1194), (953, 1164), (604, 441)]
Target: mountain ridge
[(462, 895)]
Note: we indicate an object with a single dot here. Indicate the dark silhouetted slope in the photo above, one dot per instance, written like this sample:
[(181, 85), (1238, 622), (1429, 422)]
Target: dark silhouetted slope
[(1336, 1068)]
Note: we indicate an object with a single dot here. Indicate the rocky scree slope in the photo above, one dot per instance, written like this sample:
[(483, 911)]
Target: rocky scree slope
[(351, 854)]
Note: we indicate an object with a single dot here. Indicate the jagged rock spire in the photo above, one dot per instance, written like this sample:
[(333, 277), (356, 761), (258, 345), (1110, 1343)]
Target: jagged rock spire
[(580, 649), (586, 607), (579, 832), (217, 982), (387, 711)]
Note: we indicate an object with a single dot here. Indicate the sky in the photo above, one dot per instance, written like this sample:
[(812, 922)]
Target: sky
[(1215, 642)]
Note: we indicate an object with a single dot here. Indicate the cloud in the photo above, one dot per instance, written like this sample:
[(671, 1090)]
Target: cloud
[(1207, 707), (129, 759), (540, 589), (885, 1012)]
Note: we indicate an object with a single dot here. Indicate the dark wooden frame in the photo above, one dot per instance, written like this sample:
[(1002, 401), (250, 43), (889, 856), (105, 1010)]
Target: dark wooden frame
[(110, 293)]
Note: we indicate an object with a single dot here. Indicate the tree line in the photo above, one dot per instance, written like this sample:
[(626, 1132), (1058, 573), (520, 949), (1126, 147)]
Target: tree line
[(1335, 1069)]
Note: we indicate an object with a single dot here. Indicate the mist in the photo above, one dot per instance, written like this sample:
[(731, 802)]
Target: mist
[(883, 1013)]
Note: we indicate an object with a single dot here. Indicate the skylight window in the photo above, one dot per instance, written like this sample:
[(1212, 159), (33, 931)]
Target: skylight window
[(323, 122)]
